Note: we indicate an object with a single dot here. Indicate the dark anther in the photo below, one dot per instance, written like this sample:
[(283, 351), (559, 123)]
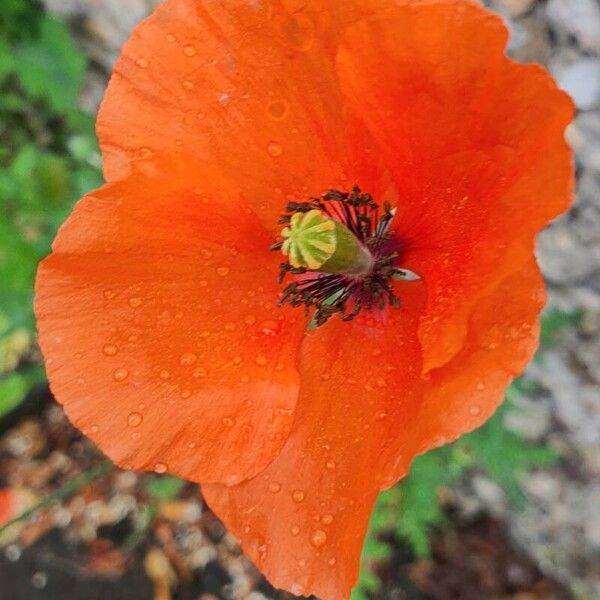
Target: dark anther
[(347, 295)]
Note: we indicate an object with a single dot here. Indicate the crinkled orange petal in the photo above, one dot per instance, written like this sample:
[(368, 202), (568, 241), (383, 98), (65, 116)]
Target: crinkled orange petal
[(474, 142), (303, 519), (248, 87), (158, 322), (502, 336)]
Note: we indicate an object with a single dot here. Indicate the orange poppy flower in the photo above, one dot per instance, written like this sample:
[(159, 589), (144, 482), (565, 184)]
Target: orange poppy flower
[(167, 335)]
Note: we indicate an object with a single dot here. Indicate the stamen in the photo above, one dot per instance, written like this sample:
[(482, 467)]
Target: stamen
[(340, 251)]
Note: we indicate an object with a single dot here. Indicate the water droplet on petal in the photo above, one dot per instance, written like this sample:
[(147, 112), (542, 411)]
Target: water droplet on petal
[(327, 519), (278, 109), (222, 271), (142, 63), (331, 562), (296, 32), (275, 149), (274, 487), (199, 372), (109, 350), (330, 465), (298, 495), (475, 410), (189, 50), (189, 358), (269, 327), (295, 530), (135, 419), (160, 468), (120, 374), (135, 302), (171, 38), (318, 538), (164, 374)]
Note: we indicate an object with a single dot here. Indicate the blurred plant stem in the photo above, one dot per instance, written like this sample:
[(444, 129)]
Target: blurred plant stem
[(67, 490)]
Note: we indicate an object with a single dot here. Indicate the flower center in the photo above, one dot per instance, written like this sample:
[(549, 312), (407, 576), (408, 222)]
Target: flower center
[(342, 255)]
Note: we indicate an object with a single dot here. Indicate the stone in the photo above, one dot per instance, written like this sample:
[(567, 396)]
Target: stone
[(579, 18), (582, 81)]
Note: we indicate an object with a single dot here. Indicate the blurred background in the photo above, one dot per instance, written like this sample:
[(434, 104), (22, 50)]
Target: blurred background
[(511, 511)]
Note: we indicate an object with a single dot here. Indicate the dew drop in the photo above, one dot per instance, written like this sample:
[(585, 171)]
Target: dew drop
[(109, 350), (481, 386), (222, 271), (330, 465), (120, 374), (164, 374), (297, 32), (171, 38), (142, 63), (228, 421), (94, 428), (318, 538), (331, 562), (135, 302), (327, 519), (134, 419), (475, 411), (295, 530), (189, 358), (189, 50), (160, 468), (261, 360), (185, 394), (275, 149), (278, 109), (109, 294), (199, 372), (269, 327), (298, 495), (274, 487)]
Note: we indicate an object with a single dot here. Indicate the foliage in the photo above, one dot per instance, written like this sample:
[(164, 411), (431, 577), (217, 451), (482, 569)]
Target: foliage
[(412, 509), (48, 158)]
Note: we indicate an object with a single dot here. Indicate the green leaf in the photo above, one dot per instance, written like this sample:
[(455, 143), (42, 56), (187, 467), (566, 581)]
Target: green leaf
[(555, 320), (164, 488), (504, 455), (15, 386), (51, 67)]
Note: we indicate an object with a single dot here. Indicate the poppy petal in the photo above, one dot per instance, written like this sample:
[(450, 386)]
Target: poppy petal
[(157, 319), (360, 381), (503, 334), (249, 88), (474, 142)]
